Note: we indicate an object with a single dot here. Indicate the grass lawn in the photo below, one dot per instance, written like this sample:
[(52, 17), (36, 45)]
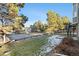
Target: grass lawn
[(26, 47)]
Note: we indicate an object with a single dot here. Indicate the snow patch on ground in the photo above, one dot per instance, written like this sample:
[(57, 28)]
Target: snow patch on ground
[(53, 41)]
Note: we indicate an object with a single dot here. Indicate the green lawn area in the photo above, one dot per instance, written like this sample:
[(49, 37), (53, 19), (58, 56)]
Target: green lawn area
[(26, 47)]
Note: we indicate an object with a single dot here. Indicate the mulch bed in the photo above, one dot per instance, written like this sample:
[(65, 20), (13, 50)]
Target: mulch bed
[(68, 47)]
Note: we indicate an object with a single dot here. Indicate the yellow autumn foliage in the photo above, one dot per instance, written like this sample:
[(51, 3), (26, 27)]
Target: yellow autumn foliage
[(65, 20), (13, 9), (55, 21), (7, 29), (13, 16)]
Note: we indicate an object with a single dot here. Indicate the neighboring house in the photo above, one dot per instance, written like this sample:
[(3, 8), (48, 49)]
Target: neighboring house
[(75, 13), (76, 17)]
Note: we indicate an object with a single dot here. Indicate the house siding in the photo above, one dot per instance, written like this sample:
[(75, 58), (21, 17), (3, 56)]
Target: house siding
[(76, 16)]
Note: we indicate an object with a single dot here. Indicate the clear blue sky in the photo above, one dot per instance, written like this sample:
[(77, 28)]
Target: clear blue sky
[(38, 11)]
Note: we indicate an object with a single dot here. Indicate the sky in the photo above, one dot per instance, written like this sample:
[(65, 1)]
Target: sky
[(38, 11)]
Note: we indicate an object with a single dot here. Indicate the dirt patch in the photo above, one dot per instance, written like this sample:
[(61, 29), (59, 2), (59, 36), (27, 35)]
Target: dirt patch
[(68, 47)]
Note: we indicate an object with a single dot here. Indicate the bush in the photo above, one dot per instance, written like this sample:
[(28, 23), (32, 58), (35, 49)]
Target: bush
[(68, 47)]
